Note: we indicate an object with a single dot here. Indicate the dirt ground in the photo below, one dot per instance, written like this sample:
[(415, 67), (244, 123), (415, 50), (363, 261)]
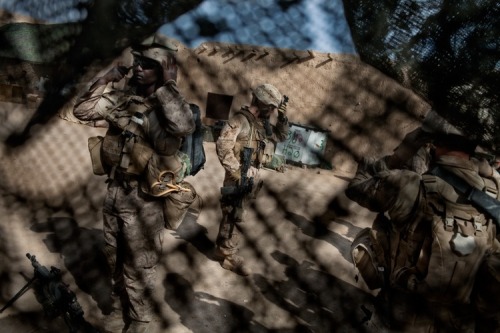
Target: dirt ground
[(297, 240)]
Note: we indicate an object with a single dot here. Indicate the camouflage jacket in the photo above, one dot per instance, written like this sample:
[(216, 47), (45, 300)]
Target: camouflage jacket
[(433, 231), (244, 129), (157, 122)]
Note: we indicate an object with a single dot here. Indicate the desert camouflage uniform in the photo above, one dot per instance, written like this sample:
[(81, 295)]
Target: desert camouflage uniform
[(133, 214), (430, 305), (243, 130)]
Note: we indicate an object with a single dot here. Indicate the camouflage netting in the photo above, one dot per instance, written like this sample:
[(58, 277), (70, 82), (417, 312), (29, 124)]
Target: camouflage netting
[(300, 228), (446, 51), (81, 42)]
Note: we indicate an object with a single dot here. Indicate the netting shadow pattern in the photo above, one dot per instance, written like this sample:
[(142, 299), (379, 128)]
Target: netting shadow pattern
[(298, 231)]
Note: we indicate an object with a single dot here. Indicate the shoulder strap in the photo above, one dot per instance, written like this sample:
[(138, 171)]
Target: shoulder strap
[(478, 198), (251, 120)]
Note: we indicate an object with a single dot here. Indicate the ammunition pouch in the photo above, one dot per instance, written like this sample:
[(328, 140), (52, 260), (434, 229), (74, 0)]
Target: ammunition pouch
[(461, 238), (139, 157), (266, 152)]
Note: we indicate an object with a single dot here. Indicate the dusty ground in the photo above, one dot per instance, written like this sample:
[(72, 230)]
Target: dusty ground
[(297, 242)]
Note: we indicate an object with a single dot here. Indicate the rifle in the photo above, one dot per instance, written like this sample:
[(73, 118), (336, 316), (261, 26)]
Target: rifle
[(235, 194), (55, 297), (478, 198), (284, 102)]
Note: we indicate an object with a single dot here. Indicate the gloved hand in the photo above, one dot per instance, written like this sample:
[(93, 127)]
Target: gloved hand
[(283, 105), (236, 175), (282, 118), (252, 172), (169, 69)]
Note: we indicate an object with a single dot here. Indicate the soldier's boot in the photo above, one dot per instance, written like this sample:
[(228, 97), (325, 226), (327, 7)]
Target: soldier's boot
[(136, 326), (232, 262), (114, 321)]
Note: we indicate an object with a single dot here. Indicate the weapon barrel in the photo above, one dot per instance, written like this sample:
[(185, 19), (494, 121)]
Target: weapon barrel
[(18, 294), (40, 270)]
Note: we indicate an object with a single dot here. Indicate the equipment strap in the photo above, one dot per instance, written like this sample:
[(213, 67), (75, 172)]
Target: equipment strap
[(477, 197)]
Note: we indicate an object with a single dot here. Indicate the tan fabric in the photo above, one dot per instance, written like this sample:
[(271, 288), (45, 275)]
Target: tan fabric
[(245, 130), (133, 236), (242, 130), (451, 264), (156, 139), (141, 141), (437, 240), (175, 206), (174, 109), (236, 129), (95, 146)]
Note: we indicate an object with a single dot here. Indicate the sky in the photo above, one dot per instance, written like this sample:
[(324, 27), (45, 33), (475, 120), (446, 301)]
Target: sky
[(317, 25)]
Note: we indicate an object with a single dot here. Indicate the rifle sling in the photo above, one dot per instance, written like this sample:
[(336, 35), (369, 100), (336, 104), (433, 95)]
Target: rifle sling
[(478, 198)]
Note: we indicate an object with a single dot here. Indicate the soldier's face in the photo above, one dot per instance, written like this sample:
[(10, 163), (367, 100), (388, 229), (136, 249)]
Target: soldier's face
[(146, 71), (266, 110)]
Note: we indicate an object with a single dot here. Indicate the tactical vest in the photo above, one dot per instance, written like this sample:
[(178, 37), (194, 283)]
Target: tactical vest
[(461, 236), (443, 247), (263, 147), (125, 147)]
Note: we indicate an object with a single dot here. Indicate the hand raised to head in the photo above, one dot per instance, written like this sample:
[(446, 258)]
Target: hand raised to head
[(169, 69)]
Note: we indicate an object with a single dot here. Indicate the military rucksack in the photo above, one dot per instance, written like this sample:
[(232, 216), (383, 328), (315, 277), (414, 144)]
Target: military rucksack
[(192, 144)]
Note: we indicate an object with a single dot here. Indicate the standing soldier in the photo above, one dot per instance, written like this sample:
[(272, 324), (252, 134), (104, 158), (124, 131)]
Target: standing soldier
[(146, 122), (427, 253), (248, 128)]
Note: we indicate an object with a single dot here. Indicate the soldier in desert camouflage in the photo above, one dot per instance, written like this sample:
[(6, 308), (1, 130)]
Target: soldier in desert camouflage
[(146, 122), (248, 127)]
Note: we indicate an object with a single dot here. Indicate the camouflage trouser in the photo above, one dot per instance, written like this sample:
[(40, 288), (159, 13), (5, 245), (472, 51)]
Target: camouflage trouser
[(133, 235), (229, 234)]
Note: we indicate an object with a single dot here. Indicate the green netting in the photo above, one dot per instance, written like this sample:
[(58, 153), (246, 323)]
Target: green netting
[(446, 51)]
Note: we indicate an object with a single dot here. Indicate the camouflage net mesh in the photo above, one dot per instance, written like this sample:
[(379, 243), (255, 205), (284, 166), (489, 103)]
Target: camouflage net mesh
[(446, 51), (301, 227)]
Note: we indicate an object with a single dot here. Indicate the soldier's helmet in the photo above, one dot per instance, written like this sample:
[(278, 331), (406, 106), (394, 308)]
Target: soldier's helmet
[(268, 94), (435, 124), (157, 47), (445, 133)]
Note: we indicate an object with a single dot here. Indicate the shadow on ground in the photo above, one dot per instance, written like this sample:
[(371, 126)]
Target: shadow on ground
[(320, 300), (316, 229), (81, 249), (200, 307)]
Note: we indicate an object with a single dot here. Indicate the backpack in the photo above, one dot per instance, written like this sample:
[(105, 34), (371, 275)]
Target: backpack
[(192, 145)]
